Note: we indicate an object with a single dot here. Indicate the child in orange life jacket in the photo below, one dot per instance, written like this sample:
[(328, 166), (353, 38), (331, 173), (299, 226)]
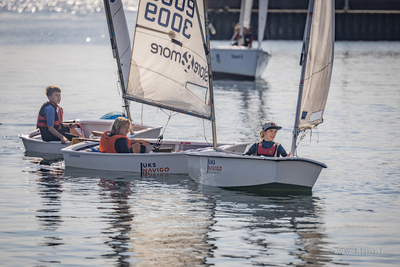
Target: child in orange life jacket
[(50, 119), (267, 146), (116, 140)]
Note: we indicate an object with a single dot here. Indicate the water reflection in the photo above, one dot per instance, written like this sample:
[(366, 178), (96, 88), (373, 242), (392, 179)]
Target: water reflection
[(50, 188), (152, 220), (44, 160), (266, 230), (119, 217), (172, 221), (249, 100)]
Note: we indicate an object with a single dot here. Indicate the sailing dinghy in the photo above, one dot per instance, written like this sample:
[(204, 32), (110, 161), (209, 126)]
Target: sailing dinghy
[(235, 171), (169, 69), (35, 145), (121, 48), (241, 62)]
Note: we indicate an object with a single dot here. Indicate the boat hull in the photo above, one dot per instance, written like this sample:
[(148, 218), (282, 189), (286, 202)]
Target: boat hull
[(33, 142), (240, 171), (237, 62), (149, 163)]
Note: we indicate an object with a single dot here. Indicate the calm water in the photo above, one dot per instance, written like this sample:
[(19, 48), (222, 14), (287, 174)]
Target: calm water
[(50, 216)]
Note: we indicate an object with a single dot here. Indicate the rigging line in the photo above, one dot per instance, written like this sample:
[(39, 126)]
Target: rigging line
[(170, 115), (169, 118), (204, 132), (141, 115), (161, 137), (302, 137), (123, 54), (170, 34), (321, 70)]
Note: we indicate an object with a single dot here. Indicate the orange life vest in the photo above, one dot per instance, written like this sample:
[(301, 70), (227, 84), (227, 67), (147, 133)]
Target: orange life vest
[(270, 152), (58, 118), (107, 143)]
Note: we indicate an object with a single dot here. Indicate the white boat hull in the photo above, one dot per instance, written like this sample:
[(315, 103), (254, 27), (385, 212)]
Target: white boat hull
[(33, 142), (238, 62), (239, 171), (149, 163)]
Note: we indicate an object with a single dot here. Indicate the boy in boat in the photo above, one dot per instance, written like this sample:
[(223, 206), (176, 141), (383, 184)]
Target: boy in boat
[(116, 140), (50, 119), (267, 147)]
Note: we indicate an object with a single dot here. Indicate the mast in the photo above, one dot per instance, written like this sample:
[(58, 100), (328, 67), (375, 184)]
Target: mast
[(241, 19), (114, 48), (210, 80), (303, 62)]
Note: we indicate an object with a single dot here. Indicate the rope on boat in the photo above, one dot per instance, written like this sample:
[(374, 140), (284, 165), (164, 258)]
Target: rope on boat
[(160, 138), (205, 136), (305, 134)]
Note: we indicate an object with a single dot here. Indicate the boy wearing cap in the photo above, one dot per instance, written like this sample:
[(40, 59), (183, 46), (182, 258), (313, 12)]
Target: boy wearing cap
[(267, 147)]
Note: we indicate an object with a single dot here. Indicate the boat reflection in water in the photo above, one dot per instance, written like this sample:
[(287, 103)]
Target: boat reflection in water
[(266, 230), (124, 219), (152, 220), (50, 188)]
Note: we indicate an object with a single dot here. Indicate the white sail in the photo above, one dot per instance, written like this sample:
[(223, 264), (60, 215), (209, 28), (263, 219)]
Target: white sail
[(247, 5), (262, 20), (245, 16), (120, 36), (169, 64), (318, 64)]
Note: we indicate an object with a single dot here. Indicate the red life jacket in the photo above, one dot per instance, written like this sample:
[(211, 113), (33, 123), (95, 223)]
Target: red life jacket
[(42, 119), (107, 142), (270, 152)]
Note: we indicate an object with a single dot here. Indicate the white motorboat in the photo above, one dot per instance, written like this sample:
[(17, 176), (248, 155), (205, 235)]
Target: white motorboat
[(169, 70), (231, 170), (242, 62)]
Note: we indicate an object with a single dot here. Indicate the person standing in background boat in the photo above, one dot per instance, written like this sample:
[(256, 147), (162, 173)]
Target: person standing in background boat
[(267, 147), (116, 140), (50, 119), (247, 39)]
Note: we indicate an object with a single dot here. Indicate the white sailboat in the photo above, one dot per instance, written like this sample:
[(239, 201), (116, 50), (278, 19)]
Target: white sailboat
[(231, 170), (169, 69), (121, 48), (241, 62), (34, 144)]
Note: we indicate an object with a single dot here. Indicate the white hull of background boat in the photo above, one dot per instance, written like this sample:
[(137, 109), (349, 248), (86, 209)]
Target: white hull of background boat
[(33, 142), (149, 163), (233, 170), (238, 62)]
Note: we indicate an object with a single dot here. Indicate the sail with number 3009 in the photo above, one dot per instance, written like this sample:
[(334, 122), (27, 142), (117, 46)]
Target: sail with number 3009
[(169, 66), (169, 69)]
